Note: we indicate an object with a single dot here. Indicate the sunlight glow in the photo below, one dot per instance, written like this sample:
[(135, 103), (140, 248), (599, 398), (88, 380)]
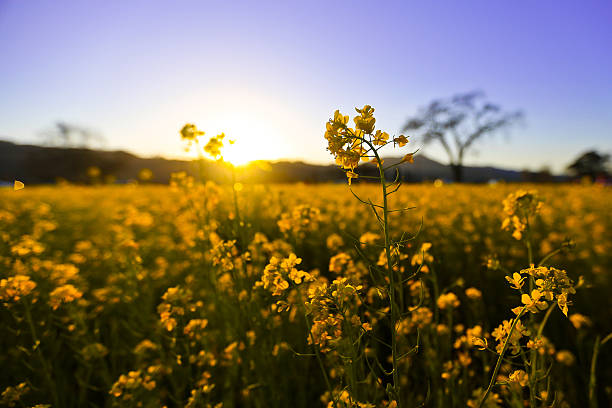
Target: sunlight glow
[(254, 136), (236, 155)]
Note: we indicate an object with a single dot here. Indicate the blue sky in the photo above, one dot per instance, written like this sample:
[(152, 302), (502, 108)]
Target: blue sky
[(270, 74)]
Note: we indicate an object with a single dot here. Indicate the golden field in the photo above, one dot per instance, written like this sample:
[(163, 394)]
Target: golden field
[(195, 295)]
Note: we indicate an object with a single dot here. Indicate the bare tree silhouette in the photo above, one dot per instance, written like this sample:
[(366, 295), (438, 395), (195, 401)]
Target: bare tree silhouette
[(65, 134), (458, 122)]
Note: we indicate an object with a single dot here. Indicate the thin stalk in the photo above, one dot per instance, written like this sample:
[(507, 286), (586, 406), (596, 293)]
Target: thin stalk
[(593, 371), (314, 346), (533, 355), (41, 357), (393, 306), (239, 230), (384, 222), (593, 375), (550, 255), (500, 358)]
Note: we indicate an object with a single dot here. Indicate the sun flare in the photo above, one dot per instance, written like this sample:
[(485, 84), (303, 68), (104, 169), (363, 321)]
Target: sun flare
[(248, 138), (236, 155)]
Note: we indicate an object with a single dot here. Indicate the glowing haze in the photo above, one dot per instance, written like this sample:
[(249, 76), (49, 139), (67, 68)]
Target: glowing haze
[(269, 74)]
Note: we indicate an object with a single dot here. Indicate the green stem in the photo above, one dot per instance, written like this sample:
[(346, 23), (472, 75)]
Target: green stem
[(353, 366), (533, 360), (533, 355), (395, 313), (41, 357), (239, 226), (392, 288), (593, 375), (316, 349), (500, 358), (550, 255)]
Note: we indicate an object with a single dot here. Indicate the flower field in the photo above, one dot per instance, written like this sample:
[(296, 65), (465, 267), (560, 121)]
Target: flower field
[(201, 295)]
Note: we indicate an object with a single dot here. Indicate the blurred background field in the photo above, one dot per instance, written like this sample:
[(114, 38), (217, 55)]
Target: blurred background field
[(123, 247)]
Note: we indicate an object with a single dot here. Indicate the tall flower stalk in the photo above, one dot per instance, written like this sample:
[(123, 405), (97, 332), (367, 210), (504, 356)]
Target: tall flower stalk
[(350, 146), (546, 286)]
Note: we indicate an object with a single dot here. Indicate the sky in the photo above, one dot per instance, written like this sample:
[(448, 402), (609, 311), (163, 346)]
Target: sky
[(270, 74)]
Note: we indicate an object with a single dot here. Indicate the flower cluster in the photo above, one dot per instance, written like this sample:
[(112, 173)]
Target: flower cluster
[(279, 272), (420, 318), (518, 208), (15, 287), (422, 257), (130, 385), (300, 219), (175, 302), (190, 132), (332, 307), (194, 329), (63, 294), (12, 395), (552, 285), (349, 146), (214, 145), (448, 301), (501, 332), (223, 254), (27, 246)]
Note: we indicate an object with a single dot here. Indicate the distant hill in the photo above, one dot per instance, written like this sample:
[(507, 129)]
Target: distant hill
[(37, 164)]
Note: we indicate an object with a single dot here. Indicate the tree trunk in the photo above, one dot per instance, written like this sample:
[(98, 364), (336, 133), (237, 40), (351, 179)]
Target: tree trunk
[(457, 172)]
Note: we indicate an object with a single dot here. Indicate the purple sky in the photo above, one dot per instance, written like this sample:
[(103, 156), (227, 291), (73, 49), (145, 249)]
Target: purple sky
[(270, 74)]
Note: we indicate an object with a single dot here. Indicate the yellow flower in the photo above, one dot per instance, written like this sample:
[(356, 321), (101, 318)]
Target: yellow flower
[(14, 288), (334, 241), (190, 132), (519, 377), (18, 185), (562, 302), (480, 343), (195, 328), (63, 294), (365, 121), (447, 300), (278, 271), (533, 302), (401, 140), (579, 320), (380, 138), (340, 119), (518, 208), (473, 293), (565, 357), (516, 280), (11, 395), (423, 257), (501, 332), (214, 146)]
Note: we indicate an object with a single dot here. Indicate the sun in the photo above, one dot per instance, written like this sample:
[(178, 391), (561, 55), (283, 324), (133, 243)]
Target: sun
[(233, 153), (256, 136), (249, 139)]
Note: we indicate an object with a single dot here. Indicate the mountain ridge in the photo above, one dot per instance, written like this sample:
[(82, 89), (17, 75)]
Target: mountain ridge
[(41, 164)]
